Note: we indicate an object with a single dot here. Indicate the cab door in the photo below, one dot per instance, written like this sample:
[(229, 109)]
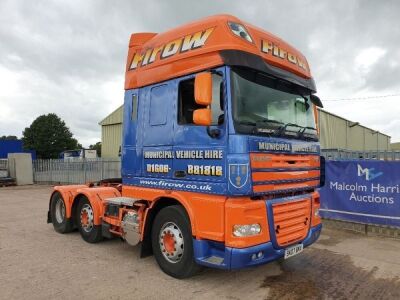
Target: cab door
[(200, 151), (157, 130), (130, 163)]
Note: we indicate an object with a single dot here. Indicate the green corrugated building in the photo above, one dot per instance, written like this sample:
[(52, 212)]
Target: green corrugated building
[(336, 133), (111, 133)]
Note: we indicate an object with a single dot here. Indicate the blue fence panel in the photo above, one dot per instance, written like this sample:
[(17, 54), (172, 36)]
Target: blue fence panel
[(364, 191)]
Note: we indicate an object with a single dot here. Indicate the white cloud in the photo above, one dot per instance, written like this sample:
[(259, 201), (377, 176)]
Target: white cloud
[(366, 58)]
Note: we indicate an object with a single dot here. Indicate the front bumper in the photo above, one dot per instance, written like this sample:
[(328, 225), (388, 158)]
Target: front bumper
[(216, 255)]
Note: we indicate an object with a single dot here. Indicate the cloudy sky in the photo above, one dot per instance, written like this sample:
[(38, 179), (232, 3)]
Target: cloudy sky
[(68, 57)]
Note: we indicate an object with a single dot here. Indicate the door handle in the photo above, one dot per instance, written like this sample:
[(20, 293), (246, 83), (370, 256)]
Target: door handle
[(179, 174)]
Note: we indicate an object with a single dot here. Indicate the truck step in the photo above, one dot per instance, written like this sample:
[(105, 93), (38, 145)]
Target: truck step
[(215, 260), (121, 201)]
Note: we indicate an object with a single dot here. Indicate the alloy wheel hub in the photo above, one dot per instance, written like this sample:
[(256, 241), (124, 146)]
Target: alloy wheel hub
[(87, 217), (171, 242)]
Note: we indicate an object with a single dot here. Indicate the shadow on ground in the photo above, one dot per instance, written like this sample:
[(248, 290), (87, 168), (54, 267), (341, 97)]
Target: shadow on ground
[(321, 273)]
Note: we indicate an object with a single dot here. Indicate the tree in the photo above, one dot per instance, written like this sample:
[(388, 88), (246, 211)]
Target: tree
[(96, 147), (49, 136), (8, 138)]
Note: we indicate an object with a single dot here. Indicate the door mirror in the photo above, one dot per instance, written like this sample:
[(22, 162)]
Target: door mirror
[(203, 88), (316, 101), (202, 116)]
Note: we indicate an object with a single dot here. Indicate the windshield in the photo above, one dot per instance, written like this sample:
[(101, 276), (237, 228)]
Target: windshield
[(265, 105)]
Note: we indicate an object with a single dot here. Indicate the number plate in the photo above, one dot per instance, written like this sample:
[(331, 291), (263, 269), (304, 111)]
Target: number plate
[(292, 251)]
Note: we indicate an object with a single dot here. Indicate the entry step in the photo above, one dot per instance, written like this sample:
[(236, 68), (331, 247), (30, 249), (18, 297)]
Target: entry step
[(121, 201)]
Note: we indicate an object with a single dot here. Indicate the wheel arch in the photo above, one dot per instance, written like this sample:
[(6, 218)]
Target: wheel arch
[(49, 219), (68, 193), (156, 206), (95, 196)]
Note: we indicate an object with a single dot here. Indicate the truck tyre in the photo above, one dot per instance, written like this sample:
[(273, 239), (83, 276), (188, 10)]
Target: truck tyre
[(172, 242), (59, 219), (90, 232)]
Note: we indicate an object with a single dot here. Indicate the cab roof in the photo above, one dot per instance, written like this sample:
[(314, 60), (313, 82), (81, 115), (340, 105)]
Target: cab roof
[(204, 44)]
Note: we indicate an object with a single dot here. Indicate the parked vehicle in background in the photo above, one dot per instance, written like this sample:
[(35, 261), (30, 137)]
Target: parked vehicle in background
[(220, 153), (79, 154)]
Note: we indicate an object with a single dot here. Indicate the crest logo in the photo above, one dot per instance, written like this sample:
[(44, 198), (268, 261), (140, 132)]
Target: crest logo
[(369, 174), (238, 174)]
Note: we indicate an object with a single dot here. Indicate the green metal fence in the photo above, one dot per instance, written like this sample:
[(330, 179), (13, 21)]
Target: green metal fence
[(58, 171), (337, 154)]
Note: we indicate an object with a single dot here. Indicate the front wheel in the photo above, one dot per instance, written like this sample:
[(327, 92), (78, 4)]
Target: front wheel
[(172, 242), (90, 232)]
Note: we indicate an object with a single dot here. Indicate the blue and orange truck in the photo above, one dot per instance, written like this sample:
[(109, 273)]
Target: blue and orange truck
[(220, 155)]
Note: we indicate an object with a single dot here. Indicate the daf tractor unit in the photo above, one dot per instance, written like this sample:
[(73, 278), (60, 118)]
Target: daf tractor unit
[(220, 153)]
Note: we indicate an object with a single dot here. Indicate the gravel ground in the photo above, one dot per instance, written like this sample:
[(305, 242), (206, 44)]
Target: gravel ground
[(38, 263)]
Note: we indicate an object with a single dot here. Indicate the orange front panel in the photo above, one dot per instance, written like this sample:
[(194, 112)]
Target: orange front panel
[(268, 161), (286, 186), (242, 211), (291, 221)]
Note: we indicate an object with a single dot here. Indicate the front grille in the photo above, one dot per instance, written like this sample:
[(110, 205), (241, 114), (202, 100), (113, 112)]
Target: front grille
[(291, 221), (276, 173)]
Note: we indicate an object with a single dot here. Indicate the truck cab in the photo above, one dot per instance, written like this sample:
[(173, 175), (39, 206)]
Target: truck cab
[(220, 153)]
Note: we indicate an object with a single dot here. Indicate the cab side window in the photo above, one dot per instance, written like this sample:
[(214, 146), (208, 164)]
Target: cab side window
[(187, 103), (134, 108), (217, 106)]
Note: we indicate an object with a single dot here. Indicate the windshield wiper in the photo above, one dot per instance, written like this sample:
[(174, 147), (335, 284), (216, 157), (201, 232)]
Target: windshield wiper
[(258, 125), (301, 132), (268, 126), (282, 129)]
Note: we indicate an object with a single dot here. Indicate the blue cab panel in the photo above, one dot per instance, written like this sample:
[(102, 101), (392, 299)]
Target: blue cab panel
[(163, 149), (161, 142)]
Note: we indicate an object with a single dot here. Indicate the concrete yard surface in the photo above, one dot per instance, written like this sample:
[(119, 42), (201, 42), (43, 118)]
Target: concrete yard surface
[(38, 263)]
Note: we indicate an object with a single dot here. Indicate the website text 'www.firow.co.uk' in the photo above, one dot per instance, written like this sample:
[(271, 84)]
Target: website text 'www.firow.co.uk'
[(173, 185)]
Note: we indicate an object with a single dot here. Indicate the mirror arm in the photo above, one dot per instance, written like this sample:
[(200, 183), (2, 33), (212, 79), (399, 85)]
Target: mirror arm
[(216, 72)]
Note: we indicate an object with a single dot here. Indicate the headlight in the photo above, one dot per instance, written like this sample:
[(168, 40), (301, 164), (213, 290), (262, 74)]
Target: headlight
[(246, 230), (240, 31)]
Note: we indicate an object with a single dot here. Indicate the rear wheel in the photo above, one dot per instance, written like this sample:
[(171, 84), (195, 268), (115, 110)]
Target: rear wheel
[(172, 242), (90, 232), (58, 216)]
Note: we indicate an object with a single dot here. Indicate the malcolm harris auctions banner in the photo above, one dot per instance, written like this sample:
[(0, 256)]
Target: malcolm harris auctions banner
[(362, 191)]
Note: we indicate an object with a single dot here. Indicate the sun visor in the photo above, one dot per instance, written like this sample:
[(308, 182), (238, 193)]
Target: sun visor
[(244, 59)]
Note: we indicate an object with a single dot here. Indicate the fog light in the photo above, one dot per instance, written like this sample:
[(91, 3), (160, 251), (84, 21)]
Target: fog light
[(316, 212), (254, 256), (246, 230), (260, 254)]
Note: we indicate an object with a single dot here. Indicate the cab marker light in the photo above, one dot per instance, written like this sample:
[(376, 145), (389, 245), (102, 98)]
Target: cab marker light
[(240, 31)]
